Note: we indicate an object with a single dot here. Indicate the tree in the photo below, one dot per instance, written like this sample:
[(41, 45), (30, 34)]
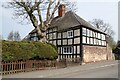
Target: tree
[(117, 51), (34, 11), (105, 27), (11, 36), (14, 36)]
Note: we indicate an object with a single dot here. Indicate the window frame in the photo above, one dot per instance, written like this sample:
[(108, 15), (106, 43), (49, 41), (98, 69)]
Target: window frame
[(70, 34), (68, 50)]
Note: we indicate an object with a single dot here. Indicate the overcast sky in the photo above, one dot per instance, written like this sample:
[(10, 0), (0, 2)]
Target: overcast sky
[(87, 9)]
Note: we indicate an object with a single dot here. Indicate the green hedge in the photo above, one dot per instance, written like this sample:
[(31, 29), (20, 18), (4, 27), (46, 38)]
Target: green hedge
[(25, 50)]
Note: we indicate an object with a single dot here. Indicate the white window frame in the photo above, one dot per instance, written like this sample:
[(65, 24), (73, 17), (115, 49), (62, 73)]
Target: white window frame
[(70, 34), (66, 50)]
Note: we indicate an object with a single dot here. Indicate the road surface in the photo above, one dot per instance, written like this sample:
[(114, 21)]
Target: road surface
[(103, 69)]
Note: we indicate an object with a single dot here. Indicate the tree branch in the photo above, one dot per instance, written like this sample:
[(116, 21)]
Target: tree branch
[(53, 12)]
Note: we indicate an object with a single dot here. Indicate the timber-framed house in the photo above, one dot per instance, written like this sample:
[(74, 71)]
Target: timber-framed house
[(75, 37)]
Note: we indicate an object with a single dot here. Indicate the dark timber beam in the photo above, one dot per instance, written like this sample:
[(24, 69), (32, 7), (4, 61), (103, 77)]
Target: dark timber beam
[(81, 47)]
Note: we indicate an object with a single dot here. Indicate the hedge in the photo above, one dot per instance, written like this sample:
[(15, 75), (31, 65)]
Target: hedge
[(26, 50)]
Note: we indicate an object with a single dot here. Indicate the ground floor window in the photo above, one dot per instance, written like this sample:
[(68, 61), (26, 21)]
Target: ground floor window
[(67, 50)]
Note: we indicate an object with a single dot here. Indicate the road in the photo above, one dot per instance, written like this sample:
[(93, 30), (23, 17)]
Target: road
[(103, 69)]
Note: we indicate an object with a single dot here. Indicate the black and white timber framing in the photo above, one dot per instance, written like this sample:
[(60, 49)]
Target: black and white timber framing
[(69, 33)]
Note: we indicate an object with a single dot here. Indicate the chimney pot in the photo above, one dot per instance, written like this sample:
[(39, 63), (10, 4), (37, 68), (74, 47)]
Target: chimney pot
[(61, 10)]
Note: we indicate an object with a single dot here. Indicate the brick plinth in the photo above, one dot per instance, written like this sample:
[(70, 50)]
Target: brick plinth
[(96, 53)]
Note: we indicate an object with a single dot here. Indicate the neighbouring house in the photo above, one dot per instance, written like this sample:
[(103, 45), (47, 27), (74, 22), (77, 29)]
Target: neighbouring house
[(75, 38)]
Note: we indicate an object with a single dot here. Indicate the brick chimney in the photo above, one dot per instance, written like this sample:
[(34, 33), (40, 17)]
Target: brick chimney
[(61, 10)]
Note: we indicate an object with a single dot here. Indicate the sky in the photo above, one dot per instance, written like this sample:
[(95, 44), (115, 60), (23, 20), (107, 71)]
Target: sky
[(107, 10)]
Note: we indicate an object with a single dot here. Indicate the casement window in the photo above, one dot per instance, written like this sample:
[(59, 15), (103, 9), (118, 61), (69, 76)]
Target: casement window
[(94, 41), (54, 35), (88, 33), (84, 39), (70, 34), (91, 40), (88, 40), (99, 42), (68, 50), (64, 34), (103, 37), (84, 31), (96, 35), (34, 39), (50, 36), (54, 42), (93, 34), (59, 35), (99, 35)]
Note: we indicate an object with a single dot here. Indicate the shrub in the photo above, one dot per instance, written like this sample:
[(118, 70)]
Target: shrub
[(25, 50)]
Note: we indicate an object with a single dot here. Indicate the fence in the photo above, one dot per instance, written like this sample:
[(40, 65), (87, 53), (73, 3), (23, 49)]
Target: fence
[(32, 65)]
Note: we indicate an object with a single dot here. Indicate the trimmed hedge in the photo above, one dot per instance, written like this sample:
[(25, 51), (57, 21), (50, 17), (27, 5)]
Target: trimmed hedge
[(26, 50)]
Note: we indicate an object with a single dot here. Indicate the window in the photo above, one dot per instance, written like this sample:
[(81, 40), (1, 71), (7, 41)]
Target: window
[(95, 42), (59, 35), (99, 36), (84, 39), (84, 31), (34, 39), (70, 34), (99, 42), (103, 37), (88, 34), (67, 50), (54, 35), (91, 40), (93, 34), (88, 40)]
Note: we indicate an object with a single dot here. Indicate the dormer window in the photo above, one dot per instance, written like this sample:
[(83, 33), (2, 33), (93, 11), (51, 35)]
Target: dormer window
[(70, 34)]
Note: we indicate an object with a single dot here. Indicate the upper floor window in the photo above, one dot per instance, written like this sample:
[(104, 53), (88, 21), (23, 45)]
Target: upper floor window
[(70, 34), (88, 32), (91, 34), (84, 31)]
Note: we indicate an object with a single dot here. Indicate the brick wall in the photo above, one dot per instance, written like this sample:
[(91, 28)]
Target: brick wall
[(96, 53)]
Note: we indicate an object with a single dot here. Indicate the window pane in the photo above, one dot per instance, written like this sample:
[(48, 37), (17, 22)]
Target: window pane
[(84, 39), (99, 35), (93, 34), (67, 50), (95, 41), (91, 40), (84, 31), (88, 34), (99, 42), (87, 40), (70, 34)]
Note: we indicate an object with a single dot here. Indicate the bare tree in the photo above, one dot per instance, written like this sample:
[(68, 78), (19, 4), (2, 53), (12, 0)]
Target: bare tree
[(11, 36), (105, 27), (14, 36), (34, 12), (17, 36)]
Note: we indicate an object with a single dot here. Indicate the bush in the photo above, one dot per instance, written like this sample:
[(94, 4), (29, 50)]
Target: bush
[(25, 50)]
